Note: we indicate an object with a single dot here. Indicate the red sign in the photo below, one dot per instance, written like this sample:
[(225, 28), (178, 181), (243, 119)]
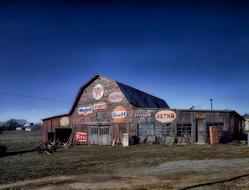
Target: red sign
[(81, 137)]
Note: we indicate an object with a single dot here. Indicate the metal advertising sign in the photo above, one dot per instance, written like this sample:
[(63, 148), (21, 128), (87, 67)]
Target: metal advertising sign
[(143, 117), (142, 114), (85, 110), (116, 97), (99, 106), (64, 121), (98, 92), (165, 116), (81, 137), (119, 114)]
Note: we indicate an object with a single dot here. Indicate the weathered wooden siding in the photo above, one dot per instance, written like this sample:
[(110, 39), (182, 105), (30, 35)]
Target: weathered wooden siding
[(197, 122), (105, 116), (50, 125)]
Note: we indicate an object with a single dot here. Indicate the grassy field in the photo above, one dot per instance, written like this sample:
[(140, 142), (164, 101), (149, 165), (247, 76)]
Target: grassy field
[(135, 167), (20, 140)]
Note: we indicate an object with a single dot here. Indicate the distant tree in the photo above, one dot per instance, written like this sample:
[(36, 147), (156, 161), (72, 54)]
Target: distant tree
[(12, 124)]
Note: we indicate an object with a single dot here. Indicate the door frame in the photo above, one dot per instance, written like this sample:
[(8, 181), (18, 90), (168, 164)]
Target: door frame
[(100, 134)]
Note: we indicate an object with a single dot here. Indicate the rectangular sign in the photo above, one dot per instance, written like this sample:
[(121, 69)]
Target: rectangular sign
[(142, 114), (99, 106), (81, 137), (85, 110)]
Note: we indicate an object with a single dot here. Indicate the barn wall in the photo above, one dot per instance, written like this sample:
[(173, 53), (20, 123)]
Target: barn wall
[(190, 126), (82, 122), (49, 125), (87, 99)]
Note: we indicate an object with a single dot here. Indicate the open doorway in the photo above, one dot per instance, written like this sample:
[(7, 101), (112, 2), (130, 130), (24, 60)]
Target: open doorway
[(63, 134)]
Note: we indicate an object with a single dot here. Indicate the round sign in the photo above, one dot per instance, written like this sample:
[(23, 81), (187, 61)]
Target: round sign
[(64, 121), (116, 97), (98, 92), (119, 114), (165, 116)]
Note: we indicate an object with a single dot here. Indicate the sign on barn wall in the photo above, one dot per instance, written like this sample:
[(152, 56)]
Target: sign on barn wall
[(116, 97), (64, 121), (81, 137), (165, 116), (85, 110), (142, 114), (98, 92), (143, 117), (119, 114), (99, 106)]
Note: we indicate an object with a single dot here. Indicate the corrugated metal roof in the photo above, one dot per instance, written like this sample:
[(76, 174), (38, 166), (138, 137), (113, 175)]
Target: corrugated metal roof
[(141, 99)]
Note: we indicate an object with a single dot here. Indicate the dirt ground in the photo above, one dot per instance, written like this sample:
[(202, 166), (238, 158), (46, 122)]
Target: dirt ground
[(136, 167)]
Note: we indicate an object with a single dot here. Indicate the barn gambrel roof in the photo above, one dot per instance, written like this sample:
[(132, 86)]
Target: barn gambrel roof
[(134, 96)]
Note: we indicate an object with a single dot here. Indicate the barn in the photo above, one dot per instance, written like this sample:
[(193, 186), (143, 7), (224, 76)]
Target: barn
[(105, 110)]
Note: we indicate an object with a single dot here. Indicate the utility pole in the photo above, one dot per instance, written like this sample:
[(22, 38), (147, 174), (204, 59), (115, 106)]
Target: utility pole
[(211, 101)]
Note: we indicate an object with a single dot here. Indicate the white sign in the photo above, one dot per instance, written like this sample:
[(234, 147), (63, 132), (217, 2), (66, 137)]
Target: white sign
[(119, 114), (116, 97), (64, 121), (125, 139), (165, 116), (99, 106), (85, 110), (98, 92)]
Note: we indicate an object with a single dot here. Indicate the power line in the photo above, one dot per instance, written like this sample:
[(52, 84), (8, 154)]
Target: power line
[(32, 97)]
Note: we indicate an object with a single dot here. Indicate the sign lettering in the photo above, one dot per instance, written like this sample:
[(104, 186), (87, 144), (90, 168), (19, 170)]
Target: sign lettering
[(99, 106), (165, 116), (116, 97), (119, 114), (85, 110)]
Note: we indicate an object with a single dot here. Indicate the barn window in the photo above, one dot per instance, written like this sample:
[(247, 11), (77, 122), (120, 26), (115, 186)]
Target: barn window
[(183, 129), (94, 130), (104, 131)]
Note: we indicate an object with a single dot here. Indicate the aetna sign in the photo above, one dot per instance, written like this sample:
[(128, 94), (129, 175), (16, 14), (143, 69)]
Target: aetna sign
[(165, 116)]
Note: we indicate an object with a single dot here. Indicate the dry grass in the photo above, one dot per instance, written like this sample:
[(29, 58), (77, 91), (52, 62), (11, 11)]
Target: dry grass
[(110, 162), (20, 140)]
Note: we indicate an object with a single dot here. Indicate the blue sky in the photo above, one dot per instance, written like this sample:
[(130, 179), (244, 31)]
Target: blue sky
[(185, 53)]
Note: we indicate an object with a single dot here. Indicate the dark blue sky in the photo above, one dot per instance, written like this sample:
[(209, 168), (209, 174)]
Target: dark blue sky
[(185, 53)]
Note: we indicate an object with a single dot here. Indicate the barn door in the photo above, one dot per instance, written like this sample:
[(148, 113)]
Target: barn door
[(200, 131), (105, 135), (100, 135), (93, 135)]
